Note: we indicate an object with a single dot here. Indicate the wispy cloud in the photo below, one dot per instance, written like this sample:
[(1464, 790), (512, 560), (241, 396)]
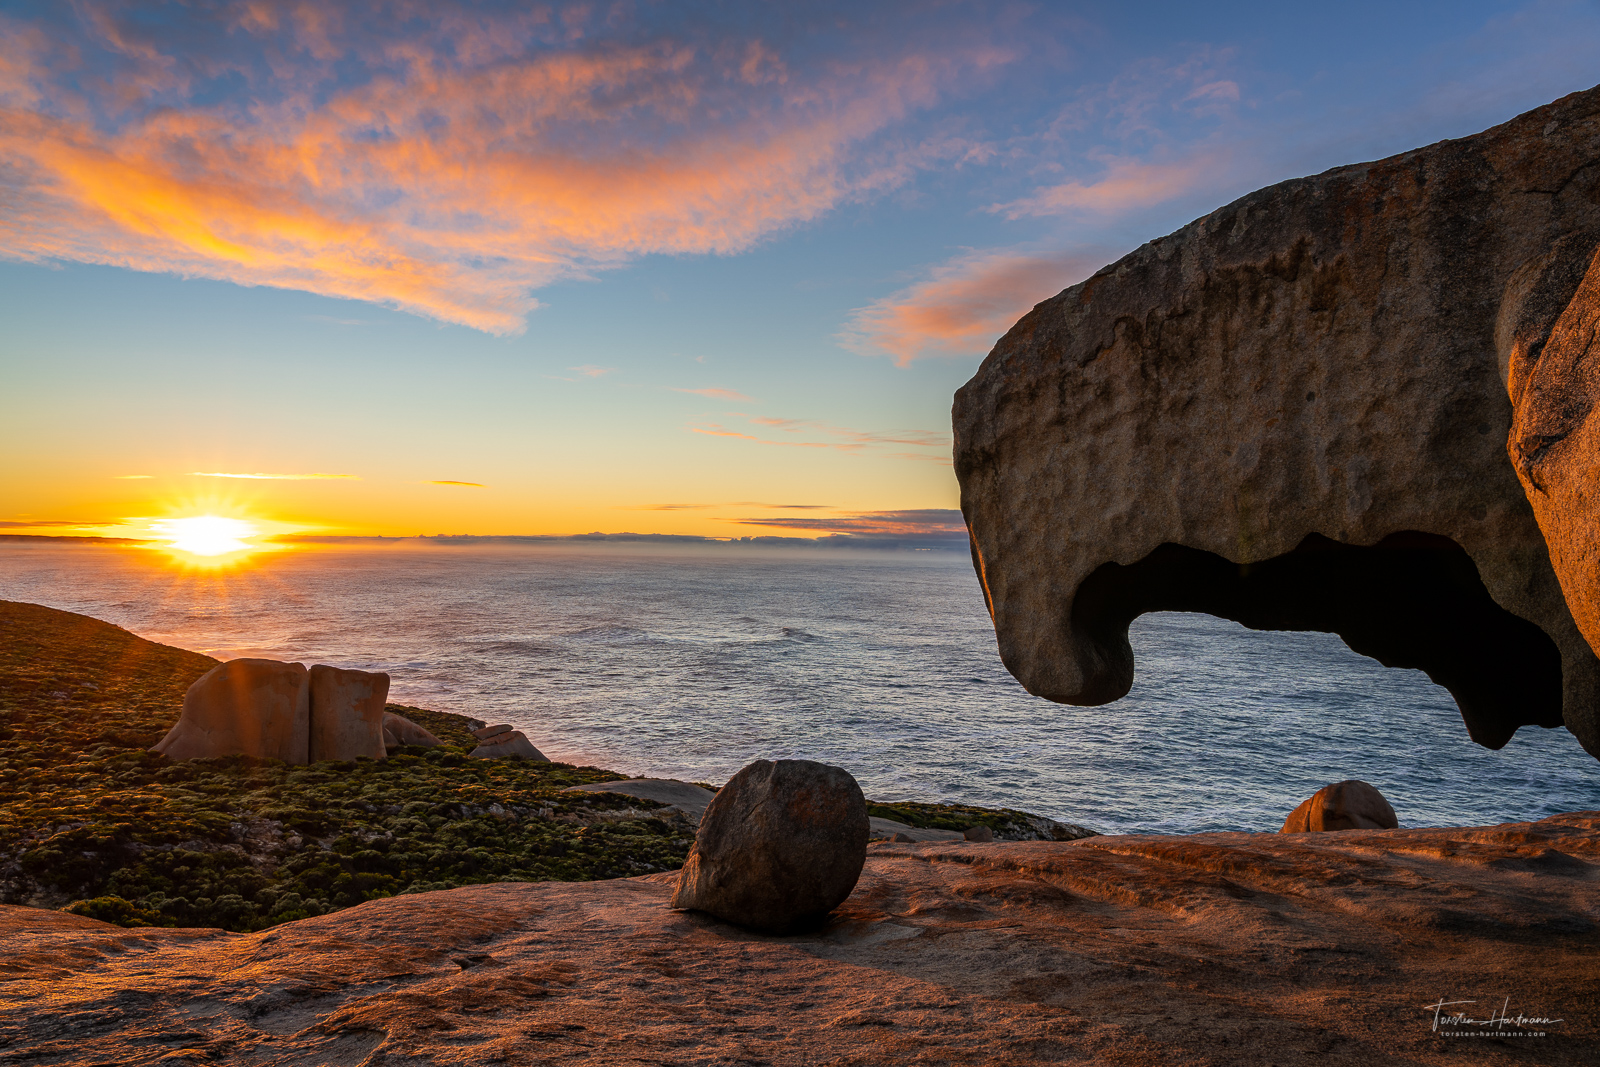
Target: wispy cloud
[(468, 485), (448, 162), (589, 370), (1128, 184), (844, 438), (964, 305), (919, 520), (924, 438), (20, 524), (276, 477), (718, 394), (934, 527), (736, 504)]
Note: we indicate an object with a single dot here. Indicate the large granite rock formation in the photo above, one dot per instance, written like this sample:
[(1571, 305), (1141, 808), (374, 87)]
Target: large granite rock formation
[(248, 707), (1140, 951), (1296, 413), (1348, 805), (779, 847), (273, 710), (347, 713)]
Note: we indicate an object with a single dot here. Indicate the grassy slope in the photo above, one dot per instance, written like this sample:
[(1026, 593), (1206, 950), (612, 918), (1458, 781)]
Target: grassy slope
[(87, 814)]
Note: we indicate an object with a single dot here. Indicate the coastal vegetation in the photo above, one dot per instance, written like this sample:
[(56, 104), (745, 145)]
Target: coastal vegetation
[(92, 822)]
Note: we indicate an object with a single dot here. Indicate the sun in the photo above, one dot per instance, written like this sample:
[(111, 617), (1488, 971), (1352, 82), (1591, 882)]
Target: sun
[(208, 535)]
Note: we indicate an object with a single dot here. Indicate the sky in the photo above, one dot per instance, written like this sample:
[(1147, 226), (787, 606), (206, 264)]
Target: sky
[(716, 269)]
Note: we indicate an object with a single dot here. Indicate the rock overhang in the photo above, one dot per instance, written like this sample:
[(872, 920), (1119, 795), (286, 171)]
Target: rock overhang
[(1311, 384)]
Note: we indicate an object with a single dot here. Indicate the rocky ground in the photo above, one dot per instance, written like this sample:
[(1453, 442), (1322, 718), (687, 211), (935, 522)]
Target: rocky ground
[(92, 821), (1209, 949)]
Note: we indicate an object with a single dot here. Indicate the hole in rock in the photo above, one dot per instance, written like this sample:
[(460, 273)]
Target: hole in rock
[(1411, 600)]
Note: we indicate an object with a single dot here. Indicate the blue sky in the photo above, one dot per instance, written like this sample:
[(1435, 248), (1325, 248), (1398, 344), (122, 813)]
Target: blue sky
[(655, 267)]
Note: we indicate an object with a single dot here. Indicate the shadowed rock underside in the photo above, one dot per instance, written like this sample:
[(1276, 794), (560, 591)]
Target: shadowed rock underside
[(1294, 413)]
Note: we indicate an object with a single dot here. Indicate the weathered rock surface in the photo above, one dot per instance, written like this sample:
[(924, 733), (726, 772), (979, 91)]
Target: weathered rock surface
[(347, 713), (250, 707), (780, 846), (888, 830), (399, 730), (690, 799), (1549, 358), (1348, 805), (1294, 413), (1140, 951), (508, 745)]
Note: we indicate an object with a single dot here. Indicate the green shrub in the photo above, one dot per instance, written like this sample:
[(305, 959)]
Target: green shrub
[(118, 911)]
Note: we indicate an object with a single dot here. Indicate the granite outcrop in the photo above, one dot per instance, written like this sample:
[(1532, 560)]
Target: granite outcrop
[(1356, 402), (1347, 805), (273, 710), (1141, 951), (246, 707)]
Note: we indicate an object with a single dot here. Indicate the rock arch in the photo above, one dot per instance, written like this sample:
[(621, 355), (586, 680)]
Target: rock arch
[(1321, 375)]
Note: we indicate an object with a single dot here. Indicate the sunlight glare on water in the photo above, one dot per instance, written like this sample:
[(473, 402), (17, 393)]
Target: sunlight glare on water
[(691, 661)]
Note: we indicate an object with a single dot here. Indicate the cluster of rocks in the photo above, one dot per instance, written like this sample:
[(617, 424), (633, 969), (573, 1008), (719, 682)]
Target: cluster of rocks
[(501, 741), (784, 842), (273, 710)]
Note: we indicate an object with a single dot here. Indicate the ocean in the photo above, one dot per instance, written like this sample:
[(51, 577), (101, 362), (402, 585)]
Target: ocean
[(690, 661)]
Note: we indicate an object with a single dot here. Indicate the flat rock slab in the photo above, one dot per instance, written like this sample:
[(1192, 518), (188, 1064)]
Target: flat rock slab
[(692, 800), (1132, 950), (883, 828)]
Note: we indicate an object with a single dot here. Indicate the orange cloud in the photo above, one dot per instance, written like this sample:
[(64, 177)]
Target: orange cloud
[(446, 481), (925, 522), (963, 307), (457, 169)]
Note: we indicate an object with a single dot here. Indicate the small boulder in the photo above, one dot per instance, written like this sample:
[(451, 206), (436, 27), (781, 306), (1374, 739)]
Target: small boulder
[(484, 733), (347, 713), (244, 707), (780, 846), (399, 730), (980, 833), (1350, 805), (512, 745)]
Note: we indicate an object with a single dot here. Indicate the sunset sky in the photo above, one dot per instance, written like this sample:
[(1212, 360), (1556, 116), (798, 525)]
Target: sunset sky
[(409, 268)]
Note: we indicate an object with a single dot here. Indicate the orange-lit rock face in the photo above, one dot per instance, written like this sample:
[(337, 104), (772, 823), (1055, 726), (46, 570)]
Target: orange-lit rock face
[(1139, 951), (1351, 805), (1551, 361), (249, 707), (1291, 413), (347, 713)]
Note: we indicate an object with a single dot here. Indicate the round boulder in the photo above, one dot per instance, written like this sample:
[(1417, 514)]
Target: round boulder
[(779, 847), (1351, 805)]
